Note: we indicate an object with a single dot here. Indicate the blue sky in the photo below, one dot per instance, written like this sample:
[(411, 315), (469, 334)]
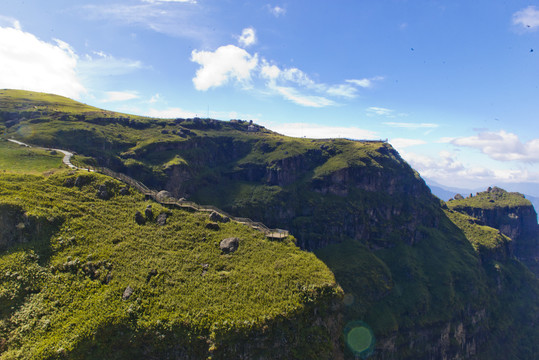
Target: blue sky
[(453, 85)]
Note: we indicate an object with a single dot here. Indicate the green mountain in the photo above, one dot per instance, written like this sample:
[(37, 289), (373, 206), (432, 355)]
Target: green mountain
[(430, 281), (512, 214)]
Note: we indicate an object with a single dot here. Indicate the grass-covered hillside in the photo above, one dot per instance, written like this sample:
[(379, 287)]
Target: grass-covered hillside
[(20, 159), (307, 186), (430, 282), (80, 278)]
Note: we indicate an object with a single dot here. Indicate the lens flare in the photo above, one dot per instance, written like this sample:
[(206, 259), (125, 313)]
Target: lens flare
[(359, 338)]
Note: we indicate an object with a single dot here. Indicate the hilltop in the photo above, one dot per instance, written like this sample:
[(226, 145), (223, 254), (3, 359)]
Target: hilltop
[(430, 281), (509, 212)]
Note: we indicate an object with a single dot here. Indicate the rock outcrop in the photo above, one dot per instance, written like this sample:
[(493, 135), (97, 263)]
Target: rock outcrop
[(512, 215)]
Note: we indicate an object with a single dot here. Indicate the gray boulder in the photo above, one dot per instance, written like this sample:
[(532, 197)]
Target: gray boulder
[(161, 219), (215, 216), (229, 245), (164, 195)]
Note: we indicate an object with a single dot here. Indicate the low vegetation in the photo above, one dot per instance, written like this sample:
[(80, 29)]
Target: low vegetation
[(63, 287), (490, 199), (80, 276)]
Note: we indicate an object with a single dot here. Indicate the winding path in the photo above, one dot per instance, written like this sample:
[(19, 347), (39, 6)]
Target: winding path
[(67, 155), (270, 233)]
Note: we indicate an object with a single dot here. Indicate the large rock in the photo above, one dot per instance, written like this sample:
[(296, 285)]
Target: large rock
[(215, 216), (164, 195), (161, 219), (139, 219), (103, 193), (148, 212), (212, 226), (229, 245)]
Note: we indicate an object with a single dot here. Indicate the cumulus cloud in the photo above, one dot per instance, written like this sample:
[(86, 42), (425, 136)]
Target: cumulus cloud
[(502, 146), (29, 63), (446, 168), (222, 65), (315, 131), (408, 125), (528, 18), (6, 21), (276, 10), (247, 37), (230, 63), (115, 96)]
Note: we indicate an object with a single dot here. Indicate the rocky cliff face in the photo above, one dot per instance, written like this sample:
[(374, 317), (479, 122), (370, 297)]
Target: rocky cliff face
[(512, 215), (17, 227), (371, 200)]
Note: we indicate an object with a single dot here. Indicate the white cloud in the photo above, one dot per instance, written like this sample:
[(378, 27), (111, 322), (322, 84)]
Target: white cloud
[(276, 10), (445, 168), (155, 98), (315, 131), (29, 63), (502, 146), (528, 18), (247, 37), (412, 125), (364, 83), (301, 99), (6, 21), (402, 143), (270, 72), (106, 65), (231, 63), (171, 113), (373, 110), (343, 90), (220, 66), (114, 96), (185, 20)]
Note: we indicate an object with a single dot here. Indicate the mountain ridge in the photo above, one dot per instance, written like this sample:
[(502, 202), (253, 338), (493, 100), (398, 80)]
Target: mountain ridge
[(429, 283)]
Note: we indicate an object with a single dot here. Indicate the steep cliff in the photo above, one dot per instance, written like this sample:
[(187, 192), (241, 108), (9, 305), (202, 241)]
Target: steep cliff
[(429, 282), (512, 214)]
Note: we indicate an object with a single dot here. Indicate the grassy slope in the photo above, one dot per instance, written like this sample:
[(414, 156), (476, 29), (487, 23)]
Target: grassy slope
[(20, 159), (397, 290), (54, 296)]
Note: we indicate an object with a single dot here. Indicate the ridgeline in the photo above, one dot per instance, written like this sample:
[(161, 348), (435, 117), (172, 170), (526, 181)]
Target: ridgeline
[(372, 248)]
